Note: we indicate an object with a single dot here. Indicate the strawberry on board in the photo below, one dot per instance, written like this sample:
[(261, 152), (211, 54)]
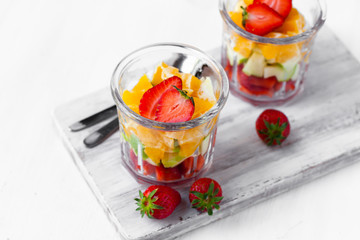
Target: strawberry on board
[(282, 7), (273, 127), (205, 195), (175, 106), (151, 97), (260, 19), (158, 201)]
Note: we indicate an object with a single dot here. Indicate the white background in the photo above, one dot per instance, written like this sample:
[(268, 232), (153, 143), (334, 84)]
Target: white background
[(53, 51)]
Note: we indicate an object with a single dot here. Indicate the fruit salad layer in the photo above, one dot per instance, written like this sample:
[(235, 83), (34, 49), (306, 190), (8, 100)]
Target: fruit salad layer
[(169, 96), (263, 69)]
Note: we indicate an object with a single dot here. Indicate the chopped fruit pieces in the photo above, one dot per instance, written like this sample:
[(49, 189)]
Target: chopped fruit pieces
[(158, 201), (175, 106), (273, 127), (260, 67), (169, 97), (260, 19), (151, 97), (282, 7), (205, 195)]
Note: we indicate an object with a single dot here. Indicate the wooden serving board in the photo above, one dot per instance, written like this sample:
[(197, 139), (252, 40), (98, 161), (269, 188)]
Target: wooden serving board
[(325, 136)]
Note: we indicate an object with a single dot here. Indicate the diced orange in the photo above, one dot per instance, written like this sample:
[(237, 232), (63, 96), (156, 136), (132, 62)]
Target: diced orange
[(279, 53), (155, 154), (237, 18), (132, 98), (202, 106), (190, 83), (157, 75), (294, 23), (163, 72), (187, 149), (242, 45), (248, 2)]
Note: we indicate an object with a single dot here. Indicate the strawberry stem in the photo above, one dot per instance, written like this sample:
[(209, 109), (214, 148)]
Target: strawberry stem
[(147, 204), (273, 132), (207, 201), (245, 16)]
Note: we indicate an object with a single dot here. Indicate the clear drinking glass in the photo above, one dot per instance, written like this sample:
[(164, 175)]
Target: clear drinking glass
[(159, 152), (269, 69)]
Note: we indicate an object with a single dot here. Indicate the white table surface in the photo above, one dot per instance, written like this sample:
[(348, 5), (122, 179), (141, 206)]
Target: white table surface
[(55, 51)]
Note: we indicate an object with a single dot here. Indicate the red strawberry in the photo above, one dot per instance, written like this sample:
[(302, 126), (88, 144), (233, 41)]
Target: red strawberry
[(260, 19), (175, 106), (167, 174), (282, 7), (273, 127), (151, 97), (186, 167), (147, 167), (158, 201), (200, 163), (205, 195)]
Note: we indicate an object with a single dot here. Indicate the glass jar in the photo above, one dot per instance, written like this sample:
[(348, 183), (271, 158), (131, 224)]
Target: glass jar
[(270, 69), (160, 152)]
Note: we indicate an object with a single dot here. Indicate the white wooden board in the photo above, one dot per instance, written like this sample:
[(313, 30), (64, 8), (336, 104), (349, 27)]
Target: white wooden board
[(325, 136)]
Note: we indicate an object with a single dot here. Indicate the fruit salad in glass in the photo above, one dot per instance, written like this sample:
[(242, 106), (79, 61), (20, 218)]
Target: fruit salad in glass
[(266, 46), (169, 98)]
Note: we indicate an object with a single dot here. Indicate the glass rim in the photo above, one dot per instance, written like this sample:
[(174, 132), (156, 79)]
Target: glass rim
[(206, 117), (280, 41)]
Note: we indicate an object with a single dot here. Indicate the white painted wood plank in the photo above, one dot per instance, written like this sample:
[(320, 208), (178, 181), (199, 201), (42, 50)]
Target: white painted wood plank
[(325, 137)]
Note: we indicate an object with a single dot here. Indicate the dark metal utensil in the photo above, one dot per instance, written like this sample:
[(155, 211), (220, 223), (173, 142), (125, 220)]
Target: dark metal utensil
[(94, 119), (102, 134)]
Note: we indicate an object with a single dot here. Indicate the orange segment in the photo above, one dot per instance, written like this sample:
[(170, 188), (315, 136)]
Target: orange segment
[(132, 98), (237, 18), (157, 75), (163, 72), (242, 45), (279, 53), (155, 154), (202, 106), (294, 23), (190, 83), (248, 2)]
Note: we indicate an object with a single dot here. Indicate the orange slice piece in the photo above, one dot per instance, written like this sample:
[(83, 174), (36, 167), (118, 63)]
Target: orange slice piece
[(132, 98), (242, 45), (163, 72), (202, 106), (279, 53), (155, 154), (293, 24), (190, 83)]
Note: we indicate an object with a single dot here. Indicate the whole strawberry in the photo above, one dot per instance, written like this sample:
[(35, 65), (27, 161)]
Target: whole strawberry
[(205, 195), (273, 127), (158, 201)]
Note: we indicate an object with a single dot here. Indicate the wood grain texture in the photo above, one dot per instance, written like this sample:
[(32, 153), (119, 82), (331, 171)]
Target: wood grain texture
[(325, 124)]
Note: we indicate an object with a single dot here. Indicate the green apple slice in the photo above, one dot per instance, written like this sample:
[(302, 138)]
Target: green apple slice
[(204, 145), (255, 65)]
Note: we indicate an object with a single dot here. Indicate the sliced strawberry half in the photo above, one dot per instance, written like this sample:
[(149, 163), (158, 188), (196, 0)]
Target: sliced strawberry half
[(175, 106), (260, 19), (151, 97), (282, 7)]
